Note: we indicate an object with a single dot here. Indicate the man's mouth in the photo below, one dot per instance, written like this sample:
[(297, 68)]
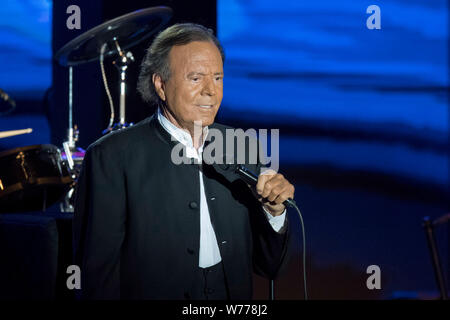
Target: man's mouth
[(206, 106)]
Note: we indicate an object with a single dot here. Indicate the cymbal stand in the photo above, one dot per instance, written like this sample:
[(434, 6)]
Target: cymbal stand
[(122, 62), (69, 148)]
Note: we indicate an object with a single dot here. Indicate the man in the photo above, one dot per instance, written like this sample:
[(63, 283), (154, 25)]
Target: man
[(147, 228)]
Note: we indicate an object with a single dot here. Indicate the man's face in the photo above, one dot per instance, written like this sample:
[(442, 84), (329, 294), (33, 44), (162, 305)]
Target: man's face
[(194, 90)]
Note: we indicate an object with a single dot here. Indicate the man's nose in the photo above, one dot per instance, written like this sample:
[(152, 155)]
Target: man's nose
[(209, 88)]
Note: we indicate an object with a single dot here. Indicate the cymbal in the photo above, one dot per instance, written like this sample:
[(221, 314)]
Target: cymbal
[(128, 30)]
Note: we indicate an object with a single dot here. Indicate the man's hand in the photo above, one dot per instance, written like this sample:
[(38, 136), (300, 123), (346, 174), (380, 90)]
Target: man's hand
[(273, 189)]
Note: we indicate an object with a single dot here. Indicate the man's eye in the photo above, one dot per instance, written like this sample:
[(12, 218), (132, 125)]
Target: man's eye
[(195, 79), (219, 78)]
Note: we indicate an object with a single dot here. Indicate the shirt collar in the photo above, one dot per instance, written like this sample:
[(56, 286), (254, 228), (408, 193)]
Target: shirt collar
[(181, 135)]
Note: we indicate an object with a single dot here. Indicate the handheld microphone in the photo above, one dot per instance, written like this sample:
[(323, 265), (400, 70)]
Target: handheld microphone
[(250, 177)]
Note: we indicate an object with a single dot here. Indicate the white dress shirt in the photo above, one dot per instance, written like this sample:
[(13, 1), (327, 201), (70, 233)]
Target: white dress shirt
[(209, 253)]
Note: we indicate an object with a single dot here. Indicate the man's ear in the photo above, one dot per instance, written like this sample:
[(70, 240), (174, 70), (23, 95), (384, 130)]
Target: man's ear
[(159, 86)]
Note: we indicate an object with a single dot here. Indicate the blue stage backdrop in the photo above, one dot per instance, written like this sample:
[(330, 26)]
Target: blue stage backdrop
[(299, 65), (25, 48), (26, 68), (355, 108)]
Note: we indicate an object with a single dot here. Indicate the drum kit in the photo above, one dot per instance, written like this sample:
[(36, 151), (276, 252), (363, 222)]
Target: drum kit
[(32, 178)]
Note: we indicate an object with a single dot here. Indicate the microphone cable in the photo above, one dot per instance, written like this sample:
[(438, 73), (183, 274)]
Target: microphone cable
[(246, 174), (294, 205)]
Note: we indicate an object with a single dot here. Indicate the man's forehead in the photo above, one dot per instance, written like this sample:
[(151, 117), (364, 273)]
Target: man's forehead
[(195, 52)]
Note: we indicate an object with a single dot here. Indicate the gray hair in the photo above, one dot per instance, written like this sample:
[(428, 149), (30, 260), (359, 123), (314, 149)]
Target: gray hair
[(156, 60)]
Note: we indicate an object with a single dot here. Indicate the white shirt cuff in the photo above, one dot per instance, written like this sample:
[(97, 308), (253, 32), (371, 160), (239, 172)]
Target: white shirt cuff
[(278, 223)]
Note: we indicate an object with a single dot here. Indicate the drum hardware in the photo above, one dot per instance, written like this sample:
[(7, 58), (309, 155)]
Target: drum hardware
[(111, 38), (114, 38), (72, 132), (122, 62), (74, 158), (35, 177), (68, 154)]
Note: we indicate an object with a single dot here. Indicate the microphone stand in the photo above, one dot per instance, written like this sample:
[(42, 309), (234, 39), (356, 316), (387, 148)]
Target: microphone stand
[(428, 226)]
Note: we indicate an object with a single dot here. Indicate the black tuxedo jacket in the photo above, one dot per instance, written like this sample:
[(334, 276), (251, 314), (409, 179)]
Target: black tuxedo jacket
[(136, 227)]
